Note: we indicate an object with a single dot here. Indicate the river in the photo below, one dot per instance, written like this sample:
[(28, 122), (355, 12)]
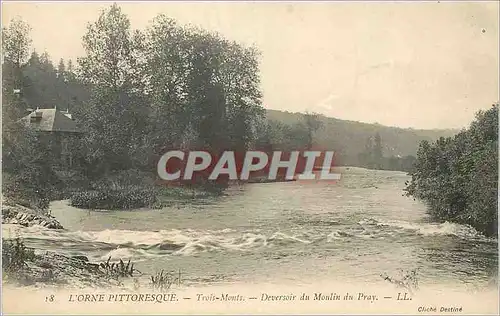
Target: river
[(297, 232)]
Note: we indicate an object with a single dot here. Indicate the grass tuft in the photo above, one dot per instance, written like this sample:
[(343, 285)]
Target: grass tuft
[(162, 280), (408, 280), (116, 270), (15, 256)]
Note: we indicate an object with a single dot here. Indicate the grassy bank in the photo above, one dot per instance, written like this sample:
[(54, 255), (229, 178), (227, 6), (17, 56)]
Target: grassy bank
[(135, 189), (126, 197), (130, 197), (23, 266)]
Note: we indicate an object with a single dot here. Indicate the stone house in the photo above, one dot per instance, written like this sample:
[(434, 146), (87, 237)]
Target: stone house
[(60, 131)]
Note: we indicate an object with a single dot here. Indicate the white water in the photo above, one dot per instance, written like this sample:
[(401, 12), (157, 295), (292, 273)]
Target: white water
[(300, 232)]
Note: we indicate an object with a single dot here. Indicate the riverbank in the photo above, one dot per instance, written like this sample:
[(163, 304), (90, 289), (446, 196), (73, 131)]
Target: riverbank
[(25, 266), (124, 190), (21, 215), (50, 269), (127, 197), (295, 233)]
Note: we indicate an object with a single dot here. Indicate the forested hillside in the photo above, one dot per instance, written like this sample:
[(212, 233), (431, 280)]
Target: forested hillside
[(350, 138)]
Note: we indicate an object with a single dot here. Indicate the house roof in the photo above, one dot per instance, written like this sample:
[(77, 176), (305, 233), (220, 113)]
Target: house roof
[(50, 120)]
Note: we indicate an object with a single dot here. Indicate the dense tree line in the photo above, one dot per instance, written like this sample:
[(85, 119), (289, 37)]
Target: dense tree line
[(301, 135), (373, 157), (136, 94), (353, 140), (457, 177), (27, 175), (167, 87)]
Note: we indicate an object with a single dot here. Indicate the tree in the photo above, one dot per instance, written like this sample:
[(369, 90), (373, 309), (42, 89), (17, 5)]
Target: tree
[(116, 112), (312, 124), (28, 178), (377, 152), (16, 43), (240, 81), (70, 71), (42, 85), (372, 156), (61, 69), (457, 177), (365, 158), (203, 88)]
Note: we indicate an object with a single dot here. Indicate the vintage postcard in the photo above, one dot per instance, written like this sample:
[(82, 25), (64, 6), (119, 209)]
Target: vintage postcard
[(336, 158)]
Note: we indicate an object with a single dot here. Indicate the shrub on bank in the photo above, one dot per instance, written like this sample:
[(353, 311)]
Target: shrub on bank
[(28, 178), (130, 197), (14, 257), (458, 177), (129, 189), (114, 198)]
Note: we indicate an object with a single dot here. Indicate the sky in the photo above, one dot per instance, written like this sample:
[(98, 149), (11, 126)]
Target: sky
[(408, 64)]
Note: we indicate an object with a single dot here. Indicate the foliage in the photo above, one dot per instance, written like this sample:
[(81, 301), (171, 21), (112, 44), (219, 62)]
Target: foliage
[(407, 280), (349, 138), (131, 189), (373, 158), (115, 113), (27, 175), (28, 81), (457, 176), (138, 94), (163, 280), (312, 124), (15, 49), (118, 269), (206, 92), (16, 41), (303, 134), (169, 87), (275, 135), (15, 256), (126, 197), (46, 86)]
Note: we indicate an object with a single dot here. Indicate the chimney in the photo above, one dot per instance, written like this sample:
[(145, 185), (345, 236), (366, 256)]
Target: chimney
[(67, 114), (36, 116)]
